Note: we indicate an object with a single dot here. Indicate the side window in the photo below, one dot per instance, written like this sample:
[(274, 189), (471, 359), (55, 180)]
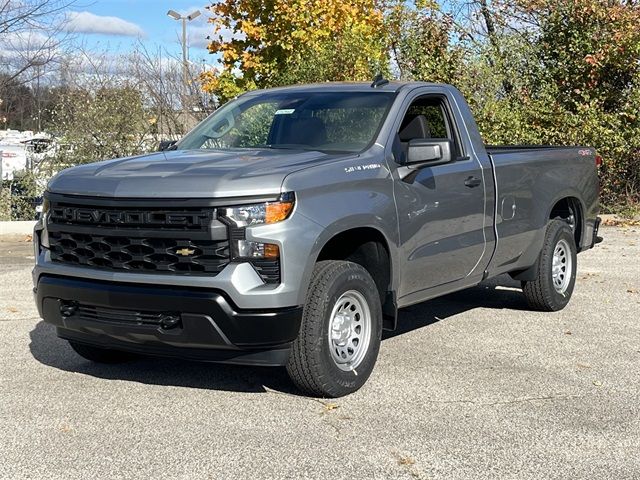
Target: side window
[(428, 117)]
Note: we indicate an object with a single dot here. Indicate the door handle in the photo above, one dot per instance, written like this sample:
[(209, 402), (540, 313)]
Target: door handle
[(472, 182)]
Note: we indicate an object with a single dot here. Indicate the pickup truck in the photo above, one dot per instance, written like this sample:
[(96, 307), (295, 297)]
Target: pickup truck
[(290, 226)]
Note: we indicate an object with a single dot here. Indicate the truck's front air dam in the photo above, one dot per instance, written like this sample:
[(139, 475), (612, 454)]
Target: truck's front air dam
[(190, 323)]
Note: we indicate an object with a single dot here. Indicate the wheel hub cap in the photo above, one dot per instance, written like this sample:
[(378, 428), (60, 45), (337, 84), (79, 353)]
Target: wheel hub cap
[(561, 267), (341, 329), (349, 330)]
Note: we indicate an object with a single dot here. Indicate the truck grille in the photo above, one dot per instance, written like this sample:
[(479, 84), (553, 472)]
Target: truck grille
[(145, 254), (143, 239), (112, 315)]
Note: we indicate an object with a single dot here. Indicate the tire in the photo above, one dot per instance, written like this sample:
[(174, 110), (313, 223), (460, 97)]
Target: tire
[(549, 293), (337, 346), (100, 355)]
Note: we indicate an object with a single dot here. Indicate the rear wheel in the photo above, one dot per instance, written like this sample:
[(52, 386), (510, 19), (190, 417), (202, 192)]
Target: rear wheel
[(100, 355), (556, 277), (339, 338)]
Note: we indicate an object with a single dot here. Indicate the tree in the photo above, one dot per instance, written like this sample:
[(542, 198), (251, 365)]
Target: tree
[(176, 106), (576, 78), (30, 37), (590, 49), (17, 104), (264, 43), (420, 41)]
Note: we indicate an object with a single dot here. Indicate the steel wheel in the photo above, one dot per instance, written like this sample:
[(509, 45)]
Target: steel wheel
[(337, 347), (349, 330), (561, 267), (555, 276)]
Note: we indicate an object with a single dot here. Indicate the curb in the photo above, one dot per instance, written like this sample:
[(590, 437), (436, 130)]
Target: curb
[(17, 228)]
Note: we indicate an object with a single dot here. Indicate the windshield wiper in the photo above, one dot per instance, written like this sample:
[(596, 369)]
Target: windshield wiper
[(283, 146)]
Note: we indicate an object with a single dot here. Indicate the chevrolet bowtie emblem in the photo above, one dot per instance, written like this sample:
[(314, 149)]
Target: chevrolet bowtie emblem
[(185, 252)]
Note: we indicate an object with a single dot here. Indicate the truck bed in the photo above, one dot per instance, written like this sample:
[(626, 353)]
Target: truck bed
[(530, 179), (498, 149)]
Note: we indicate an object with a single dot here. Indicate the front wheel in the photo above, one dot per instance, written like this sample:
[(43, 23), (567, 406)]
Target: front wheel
[(556, 277), (339, 338)]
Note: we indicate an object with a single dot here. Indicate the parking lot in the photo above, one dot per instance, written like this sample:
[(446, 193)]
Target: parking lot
[(471, 386)]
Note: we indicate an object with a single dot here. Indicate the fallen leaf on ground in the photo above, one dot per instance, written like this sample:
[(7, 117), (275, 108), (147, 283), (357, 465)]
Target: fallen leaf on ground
[(12, 309), (620, 222), (328, 406), (403, 459), (588, 275)]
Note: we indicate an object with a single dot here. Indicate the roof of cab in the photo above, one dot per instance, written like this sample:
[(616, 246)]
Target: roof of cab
[(392, 86)]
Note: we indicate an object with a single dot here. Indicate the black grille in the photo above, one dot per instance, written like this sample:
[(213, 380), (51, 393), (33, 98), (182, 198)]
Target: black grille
[(269, 270), (162, 240), (146, 254), (151, 238), (112, 315)]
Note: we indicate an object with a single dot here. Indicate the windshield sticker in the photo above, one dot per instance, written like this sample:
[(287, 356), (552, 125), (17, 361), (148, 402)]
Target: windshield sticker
[(285, 111)]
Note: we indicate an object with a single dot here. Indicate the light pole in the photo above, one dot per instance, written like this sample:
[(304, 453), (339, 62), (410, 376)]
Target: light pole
[(38, 64), (176, 16)]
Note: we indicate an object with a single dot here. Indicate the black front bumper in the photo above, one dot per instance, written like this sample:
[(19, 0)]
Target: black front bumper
[(190, 323)]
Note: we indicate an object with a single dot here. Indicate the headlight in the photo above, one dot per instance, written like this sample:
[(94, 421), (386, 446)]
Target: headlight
[(45, 205), (44, 233), (244, 216), (248, 249), (261, 213)]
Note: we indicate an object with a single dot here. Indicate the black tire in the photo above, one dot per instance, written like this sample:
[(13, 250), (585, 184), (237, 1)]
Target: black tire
[(311, 365), (100, 355), (541, 293)]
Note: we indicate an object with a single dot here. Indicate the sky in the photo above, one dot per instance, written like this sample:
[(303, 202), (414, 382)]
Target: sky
[(117, 25)]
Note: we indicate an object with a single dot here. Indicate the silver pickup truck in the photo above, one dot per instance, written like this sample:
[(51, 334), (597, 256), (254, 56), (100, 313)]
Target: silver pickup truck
[(290, 226)]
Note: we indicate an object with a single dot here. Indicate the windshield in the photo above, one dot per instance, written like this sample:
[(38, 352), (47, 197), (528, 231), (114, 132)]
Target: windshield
[(324, 121)]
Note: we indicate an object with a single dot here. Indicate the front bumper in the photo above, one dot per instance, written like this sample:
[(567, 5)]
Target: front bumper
[(204, 324)]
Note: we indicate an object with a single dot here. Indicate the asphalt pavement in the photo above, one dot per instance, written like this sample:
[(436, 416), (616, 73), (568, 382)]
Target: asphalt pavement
[(472, 386)]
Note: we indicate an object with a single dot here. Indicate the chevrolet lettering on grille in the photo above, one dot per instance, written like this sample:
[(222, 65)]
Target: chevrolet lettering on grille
[(120, 217)]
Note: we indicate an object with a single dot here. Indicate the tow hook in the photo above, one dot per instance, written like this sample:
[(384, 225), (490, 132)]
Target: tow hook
[(169, 322), (68, 309)]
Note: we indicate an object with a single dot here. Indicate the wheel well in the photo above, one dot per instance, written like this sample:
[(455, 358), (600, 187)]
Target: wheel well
[(567, 208), (366, 246)]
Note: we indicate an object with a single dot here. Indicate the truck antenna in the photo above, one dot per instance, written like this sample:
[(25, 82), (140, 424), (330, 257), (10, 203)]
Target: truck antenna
[(379, 81)]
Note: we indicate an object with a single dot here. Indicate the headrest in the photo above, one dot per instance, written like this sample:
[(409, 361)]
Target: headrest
[(305, 131), (416, 128)]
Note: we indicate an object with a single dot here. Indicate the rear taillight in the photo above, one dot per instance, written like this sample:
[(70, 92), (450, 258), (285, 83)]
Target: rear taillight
[(598, 160)]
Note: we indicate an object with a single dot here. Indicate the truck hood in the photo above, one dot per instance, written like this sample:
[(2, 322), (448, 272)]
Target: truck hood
[(188, 174)]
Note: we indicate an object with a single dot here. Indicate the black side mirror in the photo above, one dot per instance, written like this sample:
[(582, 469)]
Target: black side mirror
[(166, 145), (429, 151)]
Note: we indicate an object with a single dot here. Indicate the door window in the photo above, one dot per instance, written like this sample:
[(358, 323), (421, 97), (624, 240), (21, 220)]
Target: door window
[(428, 117)]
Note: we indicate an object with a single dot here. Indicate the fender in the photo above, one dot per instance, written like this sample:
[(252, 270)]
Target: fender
[(344, 225)]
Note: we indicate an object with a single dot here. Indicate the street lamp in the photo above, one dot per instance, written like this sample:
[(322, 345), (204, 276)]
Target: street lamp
[(176, 16), (38, 64)]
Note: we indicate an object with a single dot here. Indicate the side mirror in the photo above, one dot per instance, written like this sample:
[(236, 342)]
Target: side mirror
[(166, 145), (429, 151)]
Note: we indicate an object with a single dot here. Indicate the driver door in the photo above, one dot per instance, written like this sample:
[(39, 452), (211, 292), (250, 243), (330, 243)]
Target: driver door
[(440, 207)]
